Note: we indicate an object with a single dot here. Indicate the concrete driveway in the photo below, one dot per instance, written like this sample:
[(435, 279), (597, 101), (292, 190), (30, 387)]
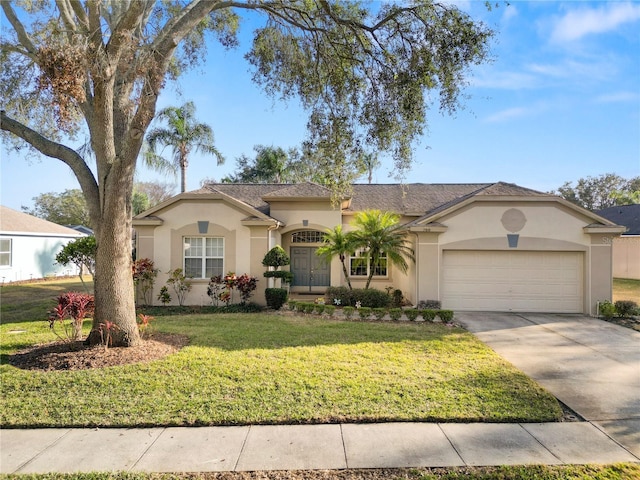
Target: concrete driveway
[(590, 365)]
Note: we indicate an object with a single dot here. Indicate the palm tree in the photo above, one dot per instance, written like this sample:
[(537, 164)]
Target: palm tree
[(377, 233), (183, 133), (336, 242)]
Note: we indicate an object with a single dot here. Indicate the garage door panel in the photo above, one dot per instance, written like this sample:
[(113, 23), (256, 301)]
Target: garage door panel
[(513, 281)]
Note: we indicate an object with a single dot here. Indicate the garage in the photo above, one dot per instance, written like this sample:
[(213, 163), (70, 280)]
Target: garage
[(518, 281)]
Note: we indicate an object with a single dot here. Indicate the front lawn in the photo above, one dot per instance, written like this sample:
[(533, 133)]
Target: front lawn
[(626, 289), (265, 369)]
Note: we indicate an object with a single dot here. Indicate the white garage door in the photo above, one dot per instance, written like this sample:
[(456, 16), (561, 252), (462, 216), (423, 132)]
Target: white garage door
[(513, 281)]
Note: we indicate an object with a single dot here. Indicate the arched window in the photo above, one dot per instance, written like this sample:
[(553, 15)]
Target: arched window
[(307, 236)]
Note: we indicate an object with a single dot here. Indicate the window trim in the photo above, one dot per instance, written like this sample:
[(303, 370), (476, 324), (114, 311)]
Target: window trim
[(9, 252), (360, 256), (203, 257)]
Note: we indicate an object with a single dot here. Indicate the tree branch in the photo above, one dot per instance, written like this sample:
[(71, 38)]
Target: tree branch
[(23, 37), (60, 152)]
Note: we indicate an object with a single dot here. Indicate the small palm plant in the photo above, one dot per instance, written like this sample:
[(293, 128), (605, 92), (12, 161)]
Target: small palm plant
[(337, 243), (380, 232)]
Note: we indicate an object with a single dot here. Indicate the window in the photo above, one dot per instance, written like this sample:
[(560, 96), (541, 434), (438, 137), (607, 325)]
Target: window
[(307, 236), (360, 268), (5, 252), (203, 257)]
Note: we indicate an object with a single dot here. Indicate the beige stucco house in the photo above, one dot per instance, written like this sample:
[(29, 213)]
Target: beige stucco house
[(483, 247)]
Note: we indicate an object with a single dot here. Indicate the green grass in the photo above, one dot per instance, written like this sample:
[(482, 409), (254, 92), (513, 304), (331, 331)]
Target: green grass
[(268, 369), (271, 369), (626, 289), (626, 471), (25, 302)]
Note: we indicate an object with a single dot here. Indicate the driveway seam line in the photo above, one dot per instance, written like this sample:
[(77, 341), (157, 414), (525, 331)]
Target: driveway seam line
[(601, 429)]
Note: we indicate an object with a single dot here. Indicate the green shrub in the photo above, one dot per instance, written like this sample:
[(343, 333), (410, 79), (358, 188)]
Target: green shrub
[(412, 314), (395, 313), (445, 315), (625, 308), (607, 310), (340, 296), (319, 308), (275, 297), (330, 310), (364, 312), (293, 305), (308, 307), (379, 313), (348, 311), (285, 275), (369, 297), (428, 314), (276, 257)]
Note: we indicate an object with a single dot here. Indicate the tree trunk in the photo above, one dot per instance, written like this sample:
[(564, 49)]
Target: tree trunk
[(113, 287)]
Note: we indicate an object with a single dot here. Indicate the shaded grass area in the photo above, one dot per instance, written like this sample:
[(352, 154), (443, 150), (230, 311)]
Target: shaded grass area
[(26, 302), (626, 289), (271, 369), (626, 471)]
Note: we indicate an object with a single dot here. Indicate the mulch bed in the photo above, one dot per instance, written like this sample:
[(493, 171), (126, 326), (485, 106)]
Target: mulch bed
[(77, 356), (630, 322)]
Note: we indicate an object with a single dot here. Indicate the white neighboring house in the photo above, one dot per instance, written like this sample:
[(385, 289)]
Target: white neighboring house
[(29, 245)]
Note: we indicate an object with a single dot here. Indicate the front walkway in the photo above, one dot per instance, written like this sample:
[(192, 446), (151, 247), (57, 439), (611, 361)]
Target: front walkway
[(303, 447)]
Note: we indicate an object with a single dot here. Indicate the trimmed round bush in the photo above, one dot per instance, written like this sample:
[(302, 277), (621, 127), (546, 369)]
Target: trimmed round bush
[(445, 315), (275, 297), (428, 314), (412, 314)]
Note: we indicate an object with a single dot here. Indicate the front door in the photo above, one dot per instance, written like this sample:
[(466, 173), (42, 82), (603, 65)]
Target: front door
[(308, 269)]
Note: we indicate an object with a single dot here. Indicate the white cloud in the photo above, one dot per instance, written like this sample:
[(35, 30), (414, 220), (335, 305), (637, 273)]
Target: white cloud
[(578, 23), (618, 97), (504, 80), (508, 114)]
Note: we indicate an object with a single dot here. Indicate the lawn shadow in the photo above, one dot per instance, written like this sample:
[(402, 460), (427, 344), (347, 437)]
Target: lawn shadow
[(271, 331)]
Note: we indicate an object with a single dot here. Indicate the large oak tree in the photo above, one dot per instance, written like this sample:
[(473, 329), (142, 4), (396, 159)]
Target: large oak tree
[(366, 73)]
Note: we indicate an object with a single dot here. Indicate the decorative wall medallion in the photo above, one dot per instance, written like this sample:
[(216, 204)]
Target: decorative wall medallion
[(513, 220)]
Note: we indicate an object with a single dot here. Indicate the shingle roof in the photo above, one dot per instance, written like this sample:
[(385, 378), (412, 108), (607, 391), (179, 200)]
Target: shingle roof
[(627, 215), (14, 221), (415, 199), (298, 190)]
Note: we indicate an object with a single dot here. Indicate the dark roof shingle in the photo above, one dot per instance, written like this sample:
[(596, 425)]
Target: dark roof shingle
[(627, 215)]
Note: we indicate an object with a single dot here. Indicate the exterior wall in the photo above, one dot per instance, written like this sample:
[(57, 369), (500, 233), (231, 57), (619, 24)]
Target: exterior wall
[(540, 226), (626, 257), (34, 257), (244, 247)]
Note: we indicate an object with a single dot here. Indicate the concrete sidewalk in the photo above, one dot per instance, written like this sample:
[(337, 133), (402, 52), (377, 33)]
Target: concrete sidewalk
[(293, 447)]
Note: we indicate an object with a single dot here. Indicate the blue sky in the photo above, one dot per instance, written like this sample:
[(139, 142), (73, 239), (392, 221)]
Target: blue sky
[(560, 101)]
